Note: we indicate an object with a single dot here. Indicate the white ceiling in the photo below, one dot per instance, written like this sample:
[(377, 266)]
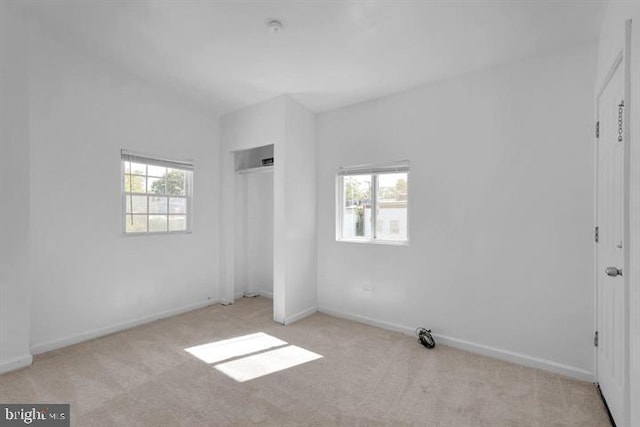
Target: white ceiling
[(331, 53)]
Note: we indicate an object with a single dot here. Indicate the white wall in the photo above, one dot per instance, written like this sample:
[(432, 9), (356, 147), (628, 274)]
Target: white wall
[(259, 232), (88, 278), (255, 126), (298, 212), (610, 42), (14, 193), (291, 129), (500, 258)]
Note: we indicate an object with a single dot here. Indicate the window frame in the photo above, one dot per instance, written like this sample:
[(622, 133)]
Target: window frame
[(374, 171), (152, 160)]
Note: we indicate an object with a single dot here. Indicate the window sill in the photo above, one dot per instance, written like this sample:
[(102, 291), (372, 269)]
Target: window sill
[(155, 233), (375, 242)]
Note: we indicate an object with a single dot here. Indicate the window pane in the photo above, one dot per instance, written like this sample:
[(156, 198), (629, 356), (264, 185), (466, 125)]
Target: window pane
[(134, 184), (139, 204), (391, 214), (158, 205), (136, 223), (157, 171), (156, 185), (157, 223), (356, 207), (177, 205), (175, 182), (138, 168), (177, 223)]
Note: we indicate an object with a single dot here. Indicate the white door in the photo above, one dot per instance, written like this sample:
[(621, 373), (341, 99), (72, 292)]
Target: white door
[(611, 293)]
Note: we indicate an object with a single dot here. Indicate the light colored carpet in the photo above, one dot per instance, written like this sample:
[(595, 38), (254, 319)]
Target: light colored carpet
[(366, 377)]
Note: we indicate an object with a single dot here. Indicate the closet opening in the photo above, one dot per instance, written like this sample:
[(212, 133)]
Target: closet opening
[(254, 222)]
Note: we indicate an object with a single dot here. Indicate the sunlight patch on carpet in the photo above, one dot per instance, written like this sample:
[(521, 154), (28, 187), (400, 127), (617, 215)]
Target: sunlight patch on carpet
[(258, 365), (240, 346), (252, 356)]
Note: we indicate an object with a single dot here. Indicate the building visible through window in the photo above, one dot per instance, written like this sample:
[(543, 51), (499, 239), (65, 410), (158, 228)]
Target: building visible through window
[(156, 194), (373, 203)]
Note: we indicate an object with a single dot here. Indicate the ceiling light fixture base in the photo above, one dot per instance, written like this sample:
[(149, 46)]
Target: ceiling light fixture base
[(275, 25)]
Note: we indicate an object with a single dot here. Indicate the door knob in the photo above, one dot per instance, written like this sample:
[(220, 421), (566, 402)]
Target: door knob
[(613, 271)]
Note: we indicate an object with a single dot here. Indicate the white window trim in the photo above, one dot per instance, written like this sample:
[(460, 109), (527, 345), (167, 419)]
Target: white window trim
[(186, 165), (374, 170)]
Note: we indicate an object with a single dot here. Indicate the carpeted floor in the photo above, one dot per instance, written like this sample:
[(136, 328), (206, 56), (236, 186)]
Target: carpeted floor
[(366, 377)]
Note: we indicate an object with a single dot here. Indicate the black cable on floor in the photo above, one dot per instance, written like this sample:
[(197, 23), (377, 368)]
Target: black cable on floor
[(425, 338)]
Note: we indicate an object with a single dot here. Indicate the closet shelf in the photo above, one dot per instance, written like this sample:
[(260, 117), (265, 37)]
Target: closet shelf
[(259, 169)]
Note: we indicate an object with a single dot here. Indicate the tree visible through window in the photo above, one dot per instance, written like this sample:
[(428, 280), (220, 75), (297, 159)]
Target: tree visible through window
[(373, 203), (357, 206), (157, 195)]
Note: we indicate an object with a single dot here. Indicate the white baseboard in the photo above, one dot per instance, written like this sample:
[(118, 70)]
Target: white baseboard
[(256, 292), (15, 364), (485, 350), (300, 315), (265, 294), (99, 332), (519, 358), (224, 301)]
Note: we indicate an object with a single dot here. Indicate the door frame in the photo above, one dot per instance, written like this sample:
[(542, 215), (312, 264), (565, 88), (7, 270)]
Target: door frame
[(621, 59)]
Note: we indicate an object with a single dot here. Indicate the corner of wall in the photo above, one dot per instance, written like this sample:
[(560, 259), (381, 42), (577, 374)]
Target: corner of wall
[(15, 172), (16, 364)]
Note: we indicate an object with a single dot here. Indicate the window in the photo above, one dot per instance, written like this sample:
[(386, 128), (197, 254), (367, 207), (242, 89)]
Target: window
[(156, 195), (373, 203)]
